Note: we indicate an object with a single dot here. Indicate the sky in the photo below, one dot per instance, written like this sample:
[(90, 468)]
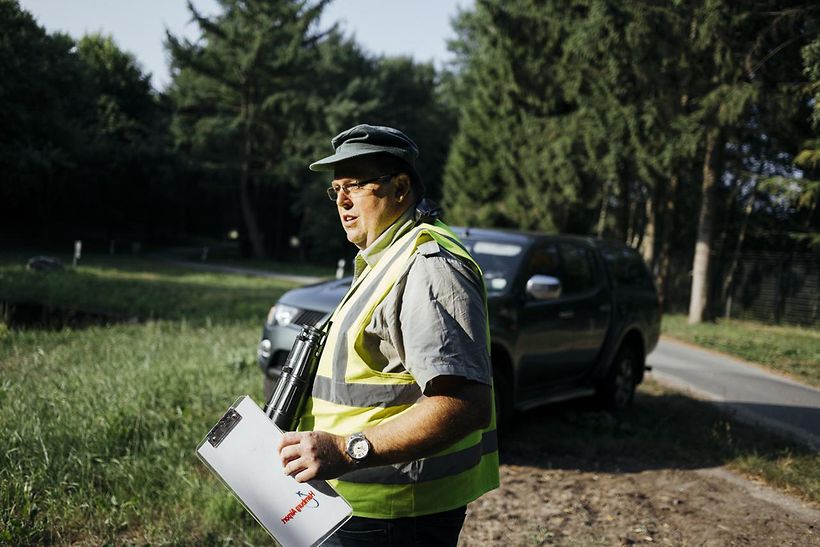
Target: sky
[(419, 28)]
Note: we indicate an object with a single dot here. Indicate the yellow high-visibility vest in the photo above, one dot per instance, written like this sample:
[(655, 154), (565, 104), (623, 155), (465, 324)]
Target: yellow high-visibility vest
[(349, 397)]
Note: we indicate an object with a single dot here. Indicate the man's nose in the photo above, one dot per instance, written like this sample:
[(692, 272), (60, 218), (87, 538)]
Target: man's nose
[(342, 199)]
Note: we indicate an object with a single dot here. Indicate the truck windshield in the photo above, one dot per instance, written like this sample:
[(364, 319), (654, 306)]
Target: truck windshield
[(498, 260)]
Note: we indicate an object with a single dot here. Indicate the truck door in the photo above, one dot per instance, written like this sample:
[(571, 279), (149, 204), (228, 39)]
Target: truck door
[(542, 343), (585, 310)]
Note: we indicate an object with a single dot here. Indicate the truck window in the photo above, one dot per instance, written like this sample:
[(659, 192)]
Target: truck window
[(499, 261), (626, 268), (544, 261), (578, 269)]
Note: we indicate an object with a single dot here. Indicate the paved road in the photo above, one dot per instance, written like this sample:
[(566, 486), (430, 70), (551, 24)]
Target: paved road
[(751, 392)]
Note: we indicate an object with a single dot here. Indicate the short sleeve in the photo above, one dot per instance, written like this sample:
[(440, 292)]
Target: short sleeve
[(443, 319)]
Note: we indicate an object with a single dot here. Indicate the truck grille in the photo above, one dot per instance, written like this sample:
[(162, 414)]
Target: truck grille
[(308, 317)]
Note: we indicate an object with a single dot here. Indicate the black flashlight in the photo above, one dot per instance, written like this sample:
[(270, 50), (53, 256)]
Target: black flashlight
[(293, 388)]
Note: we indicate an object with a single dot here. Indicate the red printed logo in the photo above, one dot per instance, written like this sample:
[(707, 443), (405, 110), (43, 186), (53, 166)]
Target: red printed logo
[(305, 499)]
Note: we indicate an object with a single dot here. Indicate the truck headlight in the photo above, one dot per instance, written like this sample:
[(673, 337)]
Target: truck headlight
[(282, 314)]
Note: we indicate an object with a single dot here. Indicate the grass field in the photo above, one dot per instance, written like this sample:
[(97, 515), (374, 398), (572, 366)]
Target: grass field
[(100, 423), (792, 350), (138, 288)]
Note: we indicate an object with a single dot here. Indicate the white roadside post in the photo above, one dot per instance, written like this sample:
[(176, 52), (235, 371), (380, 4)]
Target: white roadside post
[(78, 250)]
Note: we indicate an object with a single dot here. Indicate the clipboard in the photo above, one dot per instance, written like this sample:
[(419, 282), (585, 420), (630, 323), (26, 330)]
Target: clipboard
[(241, 450)]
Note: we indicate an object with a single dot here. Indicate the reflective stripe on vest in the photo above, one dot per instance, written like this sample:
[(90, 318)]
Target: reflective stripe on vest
[(349, 396), (428, 469)]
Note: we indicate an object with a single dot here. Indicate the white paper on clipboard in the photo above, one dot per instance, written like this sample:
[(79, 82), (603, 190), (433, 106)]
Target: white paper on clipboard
[(241, 451)]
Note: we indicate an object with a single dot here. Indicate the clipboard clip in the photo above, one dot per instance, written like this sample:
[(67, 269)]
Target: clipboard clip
[(224, 426)]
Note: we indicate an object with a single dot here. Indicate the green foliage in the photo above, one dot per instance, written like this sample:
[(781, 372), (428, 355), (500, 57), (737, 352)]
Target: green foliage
[(44, 108), (612, 118), (561, 101), (81, 129), (494, 171), (240, 98), (260, 95), (586, 116)]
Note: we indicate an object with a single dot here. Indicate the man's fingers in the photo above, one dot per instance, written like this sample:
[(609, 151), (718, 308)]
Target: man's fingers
[(293, 466), (305, 475), (289, 438), (288, 453), (310, 454)]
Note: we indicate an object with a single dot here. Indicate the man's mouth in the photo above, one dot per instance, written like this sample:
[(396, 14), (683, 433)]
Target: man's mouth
[(348, 219)]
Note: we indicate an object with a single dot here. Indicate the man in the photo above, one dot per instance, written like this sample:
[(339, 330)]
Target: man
[(402, 406)]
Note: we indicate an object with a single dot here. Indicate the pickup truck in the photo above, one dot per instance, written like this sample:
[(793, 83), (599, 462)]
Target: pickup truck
[(569, 317)]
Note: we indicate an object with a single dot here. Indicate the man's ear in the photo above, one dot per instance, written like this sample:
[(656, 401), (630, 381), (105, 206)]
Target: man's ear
[(402, 187)]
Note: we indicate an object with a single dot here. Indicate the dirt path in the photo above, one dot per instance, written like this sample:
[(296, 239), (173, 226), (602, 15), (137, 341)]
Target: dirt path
[(575, 476), (665, 507)]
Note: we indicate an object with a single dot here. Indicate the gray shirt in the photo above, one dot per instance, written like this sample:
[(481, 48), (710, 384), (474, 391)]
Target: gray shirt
[(432, 322)]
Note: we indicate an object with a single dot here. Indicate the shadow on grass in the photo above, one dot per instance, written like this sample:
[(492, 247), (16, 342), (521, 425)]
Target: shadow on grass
[(662, 430)]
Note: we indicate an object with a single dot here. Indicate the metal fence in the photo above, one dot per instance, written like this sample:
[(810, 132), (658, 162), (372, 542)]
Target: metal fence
[(767, 286), (776, 288)]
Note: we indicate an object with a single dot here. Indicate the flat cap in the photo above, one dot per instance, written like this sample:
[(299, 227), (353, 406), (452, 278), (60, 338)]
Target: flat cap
[(367, 139)]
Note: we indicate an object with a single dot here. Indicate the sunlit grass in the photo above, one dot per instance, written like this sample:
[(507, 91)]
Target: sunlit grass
[(101, 429), (142, 289)]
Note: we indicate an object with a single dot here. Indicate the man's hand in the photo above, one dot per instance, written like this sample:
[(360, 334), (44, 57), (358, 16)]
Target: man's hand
[(312, 455), (452, 408)]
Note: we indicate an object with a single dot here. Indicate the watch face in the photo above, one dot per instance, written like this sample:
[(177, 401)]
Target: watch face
[(359, 449)]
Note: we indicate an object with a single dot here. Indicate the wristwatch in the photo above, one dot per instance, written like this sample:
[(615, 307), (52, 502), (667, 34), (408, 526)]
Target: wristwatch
[(358, 447)]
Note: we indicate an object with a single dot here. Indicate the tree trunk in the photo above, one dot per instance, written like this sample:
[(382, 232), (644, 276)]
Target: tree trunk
[(650, 222), (623, 220), (698, 300), (245, 198), (634, 235), (730, 275), (664, 258), (604, 208)]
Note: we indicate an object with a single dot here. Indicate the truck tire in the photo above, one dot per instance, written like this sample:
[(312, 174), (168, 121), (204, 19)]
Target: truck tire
[(617, 390)]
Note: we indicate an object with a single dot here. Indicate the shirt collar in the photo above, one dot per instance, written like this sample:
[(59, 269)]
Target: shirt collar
[(371, 255)]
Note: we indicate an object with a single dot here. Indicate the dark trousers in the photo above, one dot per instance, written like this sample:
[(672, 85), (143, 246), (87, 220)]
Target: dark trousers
[(436, 530)]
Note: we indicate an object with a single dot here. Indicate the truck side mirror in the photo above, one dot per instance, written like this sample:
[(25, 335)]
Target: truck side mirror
[(544, 287)]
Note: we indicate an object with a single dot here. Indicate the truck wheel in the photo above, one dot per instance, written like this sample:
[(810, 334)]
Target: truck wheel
[(618, 388)]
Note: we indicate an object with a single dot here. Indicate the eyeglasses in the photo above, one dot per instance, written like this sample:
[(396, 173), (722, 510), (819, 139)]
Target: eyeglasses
[(354, 188)]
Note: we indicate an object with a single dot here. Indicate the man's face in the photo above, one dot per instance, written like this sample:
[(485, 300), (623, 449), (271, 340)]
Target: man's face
[(368, 211)]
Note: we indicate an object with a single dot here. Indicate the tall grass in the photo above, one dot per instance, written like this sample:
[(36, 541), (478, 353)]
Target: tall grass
[(99, 425)]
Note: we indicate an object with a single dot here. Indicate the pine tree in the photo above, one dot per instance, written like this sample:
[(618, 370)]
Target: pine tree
[(241, 92)]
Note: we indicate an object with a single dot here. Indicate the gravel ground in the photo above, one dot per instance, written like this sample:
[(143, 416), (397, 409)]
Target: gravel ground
[(667, 507), (561, 485)]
